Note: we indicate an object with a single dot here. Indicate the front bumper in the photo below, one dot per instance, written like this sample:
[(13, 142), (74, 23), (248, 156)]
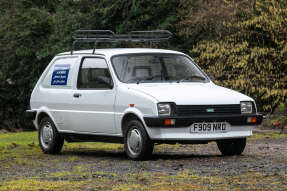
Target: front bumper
[(181, 131), (30, 115), (234, 120)]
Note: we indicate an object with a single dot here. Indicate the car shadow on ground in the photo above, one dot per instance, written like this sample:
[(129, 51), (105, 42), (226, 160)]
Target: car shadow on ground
[(172, 156)]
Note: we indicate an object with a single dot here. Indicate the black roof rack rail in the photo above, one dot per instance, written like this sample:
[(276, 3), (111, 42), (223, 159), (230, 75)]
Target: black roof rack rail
[(97, 36)]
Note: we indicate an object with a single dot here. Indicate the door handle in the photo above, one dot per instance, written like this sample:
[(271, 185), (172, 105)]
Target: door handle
[(77, 95)]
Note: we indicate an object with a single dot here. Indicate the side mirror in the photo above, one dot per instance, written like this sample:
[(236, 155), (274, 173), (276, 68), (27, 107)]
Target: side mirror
[(105, 80), (211, 77)]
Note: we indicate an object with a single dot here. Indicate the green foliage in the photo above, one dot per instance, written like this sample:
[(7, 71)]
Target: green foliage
[(252, 56), (33, 31), (243, 43)]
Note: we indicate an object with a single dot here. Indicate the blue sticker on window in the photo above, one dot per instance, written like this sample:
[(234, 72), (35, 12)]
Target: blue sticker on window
[(60, 75)]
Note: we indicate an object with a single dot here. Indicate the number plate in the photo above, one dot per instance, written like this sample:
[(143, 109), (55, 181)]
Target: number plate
[(210, 127)]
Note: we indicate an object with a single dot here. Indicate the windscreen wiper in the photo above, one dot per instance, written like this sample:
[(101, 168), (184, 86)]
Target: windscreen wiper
[(192, 76), (140, 80), (147, 78)]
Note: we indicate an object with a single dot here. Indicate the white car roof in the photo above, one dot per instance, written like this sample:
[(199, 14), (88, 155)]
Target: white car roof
[(116, 51)]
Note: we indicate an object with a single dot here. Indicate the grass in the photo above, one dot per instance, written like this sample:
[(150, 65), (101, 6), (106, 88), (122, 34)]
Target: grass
[(153, 181), (19, 148), (24, 185), (23, 138), (268, 135), (280, 108), (277, 120), (21, 151), (28, 140)]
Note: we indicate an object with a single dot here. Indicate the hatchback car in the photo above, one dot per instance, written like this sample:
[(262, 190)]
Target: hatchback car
[(138, 97)]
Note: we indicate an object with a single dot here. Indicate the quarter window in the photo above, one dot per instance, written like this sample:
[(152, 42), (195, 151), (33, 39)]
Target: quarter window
[(60, 74), (94, 74)]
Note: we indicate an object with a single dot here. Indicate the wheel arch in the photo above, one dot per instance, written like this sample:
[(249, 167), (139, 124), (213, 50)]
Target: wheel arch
[(40, 115), (128, 117)]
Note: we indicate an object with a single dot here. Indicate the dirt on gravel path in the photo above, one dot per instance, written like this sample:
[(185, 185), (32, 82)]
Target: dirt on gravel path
[(263, 166)]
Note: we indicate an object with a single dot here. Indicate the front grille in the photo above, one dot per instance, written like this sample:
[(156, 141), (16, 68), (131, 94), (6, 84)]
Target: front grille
[(185, 110)]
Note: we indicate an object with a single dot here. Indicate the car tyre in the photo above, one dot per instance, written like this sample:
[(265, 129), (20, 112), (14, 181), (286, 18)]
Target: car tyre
[(230, 147), (137, 144), (50, 140)]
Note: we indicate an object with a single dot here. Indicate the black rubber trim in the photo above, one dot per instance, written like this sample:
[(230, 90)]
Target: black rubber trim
[(237, 120), (75, 137), (30, 114)]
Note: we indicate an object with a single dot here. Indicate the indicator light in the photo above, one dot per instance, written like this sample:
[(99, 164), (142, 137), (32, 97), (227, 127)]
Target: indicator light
[(168, 122), (251, 119)]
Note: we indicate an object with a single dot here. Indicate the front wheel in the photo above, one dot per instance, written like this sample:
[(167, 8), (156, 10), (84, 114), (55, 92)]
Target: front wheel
[(231, 147), (138, 146), (50, 140)]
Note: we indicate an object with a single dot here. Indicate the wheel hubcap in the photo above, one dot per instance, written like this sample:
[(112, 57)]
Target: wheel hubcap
[(47, 135), (134, 141)]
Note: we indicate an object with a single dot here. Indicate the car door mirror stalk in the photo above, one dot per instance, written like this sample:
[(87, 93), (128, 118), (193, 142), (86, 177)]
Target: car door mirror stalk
[(211, 77)]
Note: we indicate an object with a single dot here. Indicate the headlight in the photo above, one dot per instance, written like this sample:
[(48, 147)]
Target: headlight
[(246, 107), (164, 108)]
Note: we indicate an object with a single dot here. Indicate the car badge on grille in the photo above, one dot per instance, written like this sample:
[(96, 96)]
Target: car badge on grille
[(209, 110)]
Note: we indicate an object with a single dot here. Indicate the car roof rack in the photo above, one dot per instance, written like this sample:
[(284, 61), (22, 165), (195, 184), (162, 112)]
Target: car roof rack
[(96, 36)]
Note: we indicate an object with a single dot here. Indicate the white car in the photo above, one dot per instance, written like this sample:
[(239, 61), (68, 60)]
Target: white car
[(139, 97)]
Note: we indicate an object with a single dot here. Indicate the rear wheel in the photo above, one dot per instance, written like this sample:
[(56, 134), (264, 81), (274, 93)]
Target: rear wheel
[(138, 146), (50, 140), (231, 147)]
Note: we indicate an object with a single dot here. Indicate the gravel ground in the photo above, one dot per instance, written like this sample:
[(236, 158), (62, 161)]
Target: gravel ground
[(267, 156), (263, 155)]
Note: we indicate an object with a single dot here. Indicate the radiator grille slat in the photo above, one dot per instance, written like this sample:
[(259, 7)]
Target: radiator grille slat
[(184, 110)]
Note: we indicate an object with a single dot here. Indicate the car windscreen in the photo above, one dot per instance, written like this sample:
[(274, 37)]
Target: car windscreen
[(150, 68)]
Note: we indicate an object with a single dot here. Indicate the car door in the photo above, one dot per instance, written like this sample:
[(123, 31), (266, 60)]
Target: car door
[(93, 98)]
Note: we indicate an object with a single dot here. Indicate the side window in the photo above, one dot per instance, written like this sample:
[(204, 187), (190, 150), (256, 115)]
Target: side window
[(94, 74), (60, 73)]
